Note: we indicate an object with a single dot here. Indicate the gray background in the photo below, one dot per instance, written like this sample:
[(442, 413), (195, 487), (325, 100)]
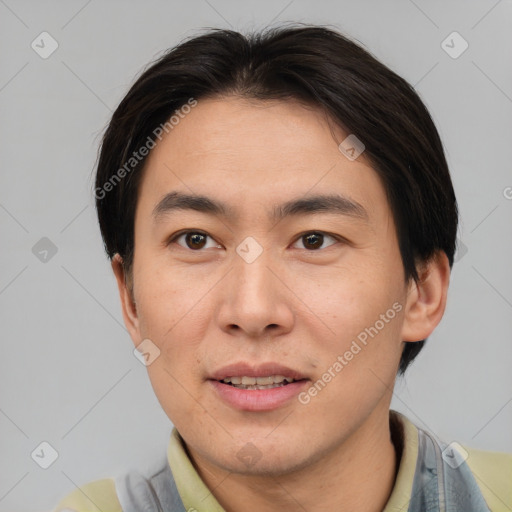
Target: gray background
[(68, 374)]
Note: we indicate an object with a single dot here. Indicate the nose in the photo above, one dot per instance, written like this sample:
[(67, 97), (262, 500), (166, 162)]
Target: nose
[(255, 302)]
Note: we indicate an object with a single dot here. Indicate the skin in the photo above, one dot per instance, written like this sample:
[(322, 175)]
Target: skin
[(300, 306)]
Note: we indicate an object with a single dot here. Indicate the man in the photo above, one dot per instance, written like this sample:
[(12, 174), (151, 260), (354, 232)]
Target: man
[(282, 223)]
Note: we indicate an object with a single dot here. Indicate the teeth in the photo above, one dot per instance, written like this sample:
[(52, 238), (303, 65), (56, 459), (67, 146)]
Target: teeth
[(270, 386), (264, 381), (245, 382)]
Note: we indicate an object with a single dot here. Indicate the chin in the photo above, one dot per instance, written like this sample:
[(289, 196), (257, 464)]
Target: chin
[(263, 456), (268, 463)]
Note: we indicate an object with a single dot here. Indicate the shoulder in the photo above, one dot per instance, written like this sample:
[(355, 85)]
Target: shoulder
[(96, 496), (493, 474)]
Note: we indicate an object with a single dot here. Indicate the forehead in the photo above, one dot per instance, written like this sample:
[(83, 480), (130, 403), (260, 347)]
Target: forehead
[(249, 152), (229, 125)]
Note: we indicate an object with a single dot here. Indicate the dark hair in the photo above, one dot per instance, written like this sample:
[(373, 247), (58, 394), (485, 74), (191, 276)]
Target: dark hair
[(313, 64)]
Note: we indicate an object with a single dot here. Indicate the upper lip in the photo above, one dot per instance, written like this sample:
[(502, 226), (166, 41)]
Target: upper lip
[(242, 369)]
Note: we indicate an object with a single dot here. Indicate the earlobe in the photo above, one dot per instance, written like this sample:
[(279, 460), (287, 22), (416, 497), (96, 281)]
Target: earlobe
[(426, 299), (128, 304)]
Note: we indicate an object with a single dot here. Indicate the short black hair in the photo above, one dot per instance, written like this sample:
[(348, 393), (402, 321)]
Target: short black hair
[(311, 63)]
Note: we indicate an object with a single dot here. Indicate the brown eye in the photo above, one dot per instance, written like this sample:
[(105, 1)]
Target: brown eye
[(195, 240), (314, 240)]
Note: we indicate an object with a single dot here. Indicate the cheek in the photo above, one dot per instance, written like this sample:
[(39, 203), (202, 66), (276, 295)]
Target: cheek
[(169, 319), (174, 393), (360, 313), (357, 369), (166, 299), (349, 298)]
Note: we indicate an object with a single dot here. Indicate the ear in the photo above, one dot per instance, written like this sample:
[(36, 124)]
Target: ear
[(128, 304), (426, 300)]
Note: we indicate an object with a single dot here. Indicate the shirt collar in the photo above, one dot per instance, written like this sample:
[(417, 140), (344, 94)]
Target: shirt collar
[(401, 493)]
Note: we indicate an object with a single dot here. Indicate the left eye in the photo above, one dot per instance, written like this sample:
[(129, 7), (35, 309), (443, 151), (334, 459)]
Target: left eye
[(314, 239)]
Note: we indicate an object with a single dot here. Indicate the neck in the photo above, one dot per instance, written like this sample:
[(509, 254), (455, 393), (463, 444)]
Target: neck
[(357, 475)]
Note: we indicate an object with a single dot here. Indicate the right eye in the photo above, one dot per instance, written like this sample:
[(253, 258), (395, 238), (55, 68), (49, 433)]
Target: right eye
[(194, 240)]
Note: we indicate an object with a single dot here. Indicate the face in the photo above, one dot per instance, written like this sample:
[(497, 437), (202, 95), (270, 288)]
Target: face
[(296, 275)]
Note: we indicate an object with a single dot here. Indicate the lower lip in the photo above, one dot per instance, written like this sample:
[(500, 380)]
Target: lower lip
[(258, 399)]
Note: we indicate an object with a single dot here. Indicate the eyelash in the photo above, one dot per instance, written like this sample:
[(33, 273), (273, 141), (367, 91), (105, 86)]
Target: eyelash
[(301, 235)]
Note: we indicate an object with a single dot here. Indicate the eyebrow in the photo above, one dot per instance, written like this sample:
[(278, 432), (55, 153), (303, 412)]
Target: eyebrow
[(331, 203)]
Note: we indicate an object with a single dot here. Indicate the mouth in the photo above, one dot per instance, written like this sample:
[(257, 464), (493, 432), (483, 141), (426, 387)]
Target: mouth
[(257, 388)]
